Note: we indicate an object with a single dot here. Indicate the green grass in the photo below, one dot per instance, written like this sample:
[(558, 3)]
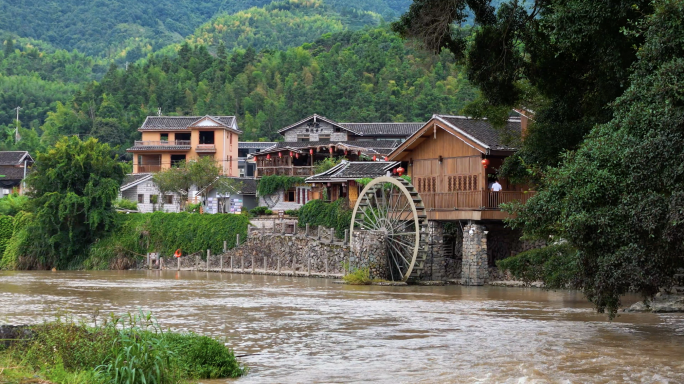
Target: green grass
[(124, 350)]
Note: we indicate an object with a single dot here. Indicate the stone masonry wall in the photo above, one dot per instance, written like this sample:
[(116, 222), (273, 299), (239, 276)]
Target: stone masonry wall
[(266, 251), (475, 263)]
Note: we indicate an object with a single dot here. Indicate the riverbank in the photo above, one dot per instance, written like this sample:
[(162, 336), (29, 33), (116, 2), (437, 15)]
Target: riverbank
[(130, 349)]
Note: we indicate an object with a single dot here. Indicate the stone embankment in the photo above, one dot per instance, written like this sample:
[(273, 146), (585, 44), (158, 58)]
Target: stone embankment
[(285, 250), (663, 302)]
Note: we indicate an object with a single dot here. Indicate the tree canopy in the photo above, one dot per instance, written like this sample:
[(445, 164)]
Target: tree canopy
[(72, 186)]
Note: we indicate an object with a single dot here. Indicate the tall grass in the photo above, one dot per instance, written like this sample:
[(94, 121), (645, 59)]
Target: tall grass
[(131, 349)]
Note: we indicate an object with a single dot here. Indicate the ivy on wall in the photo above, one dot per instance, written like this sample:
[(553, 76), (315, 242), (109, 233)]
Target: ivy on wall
[(331, 215), (269, 185)]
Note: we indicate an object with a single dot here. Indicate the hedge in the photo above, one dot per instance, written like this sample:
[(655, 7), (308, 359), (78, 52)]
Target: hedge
[(332, 215), (138, 234)]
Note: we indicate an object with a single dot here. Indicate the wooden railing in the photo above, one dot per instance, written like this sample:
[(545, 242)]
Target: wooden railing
[(285, 171), (472, 199), (161, 143), (149, 168)]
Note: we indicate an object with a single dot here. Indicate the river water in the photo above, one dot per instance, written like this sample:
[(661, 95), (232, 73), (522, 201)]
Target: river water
[(298, 330)]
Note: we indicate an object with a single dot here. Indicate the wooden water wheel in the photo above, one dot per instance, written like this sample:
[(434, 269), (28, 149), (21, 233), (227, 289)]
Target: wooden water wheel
[(393, 206)]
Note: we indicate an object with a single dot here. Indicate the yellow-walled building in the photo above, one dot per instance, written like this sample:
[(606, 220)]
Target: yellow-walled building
[(167, 140)]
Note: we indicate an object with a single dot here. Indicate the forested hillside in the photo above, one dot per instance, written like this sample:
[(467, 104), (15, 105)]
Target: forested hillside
[(128, 29), (349, 76), (280, 25)]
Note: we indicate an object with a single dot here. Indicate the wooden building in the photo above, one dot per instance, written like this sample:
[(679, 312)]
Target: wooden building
[(452, 161)]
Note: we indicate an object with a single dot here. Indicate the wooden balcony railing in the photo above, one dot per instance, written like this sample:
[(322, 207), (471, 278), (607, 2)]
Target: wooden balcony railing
[(161, 143), (146, 168), (472, 199), (285, 171)]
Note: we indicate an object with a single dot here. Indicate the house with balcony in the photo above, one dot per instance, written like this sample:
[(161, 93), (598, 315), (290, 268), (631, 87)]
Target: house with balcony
[(167, 140), (316, 138), (245, 149), (453, 162)]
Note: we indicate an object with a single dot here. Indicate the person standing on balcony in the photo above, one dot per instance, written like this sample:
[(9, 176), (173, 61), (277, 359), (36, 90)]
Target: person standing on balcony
[(496, 187)]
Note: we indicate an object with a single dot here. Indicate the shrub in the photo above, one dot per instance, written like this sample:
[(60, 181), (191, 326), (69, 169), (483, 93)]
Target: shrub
[(193, 208), (12, 204), (292, 212), (132, 349), (360, 276), (164, 233), (125, 204), (269, 185), (555, 265), (258, 211), (332, 215)]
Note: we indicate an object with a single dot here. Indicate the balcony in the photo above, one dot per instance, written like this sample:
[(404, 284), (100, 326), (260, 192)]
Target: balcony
[(175, 145), (472, 200), (205, 148), (147, 168), (285, 171)]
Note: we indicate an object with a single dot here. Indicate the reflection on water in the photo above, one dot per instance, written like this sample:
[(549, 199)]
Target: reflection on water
[(313, 330)]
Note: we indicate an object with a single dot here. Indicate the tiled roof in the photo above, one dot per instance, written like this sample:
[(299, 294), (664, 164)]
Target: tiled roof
[(352, 170), (383, 129), (134, 179), (11, 172), (255, 144), (14, 157), (249, 185), (312, 117), (482, 131), (157, 123), (372, 144)]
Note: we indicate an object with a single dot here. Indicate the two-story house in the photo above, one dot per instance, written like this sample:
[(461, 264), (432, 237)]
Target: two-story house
[(315, 138), (168, 140)]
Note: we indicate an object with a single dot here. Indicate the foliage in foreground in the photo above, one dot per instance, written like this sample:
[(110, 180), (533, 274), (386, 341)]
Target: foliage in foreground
[(163, 232), (331, 215), (132, 349), (619, 199)]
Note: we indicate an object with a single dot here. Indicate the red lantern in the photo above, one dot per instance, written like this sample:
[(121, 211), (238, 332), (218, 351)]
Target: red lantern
[(394, 171), (311, 151), (386, 158), (280, 154), (331, 150), (268, 157), (297, 155), (345, 152), (400, 171), (375, 158), (359, 153), (485, 162), (290, 153)]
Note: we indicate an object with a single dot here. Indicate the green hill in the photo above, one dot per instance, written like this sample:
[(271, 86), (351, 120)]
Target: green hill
[(280, 25), (129, 29)]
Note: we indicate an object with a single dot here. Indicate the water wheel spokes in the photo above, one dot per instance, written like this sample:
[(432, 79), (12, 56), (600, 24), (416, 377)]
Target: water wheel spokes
[(391, 206)]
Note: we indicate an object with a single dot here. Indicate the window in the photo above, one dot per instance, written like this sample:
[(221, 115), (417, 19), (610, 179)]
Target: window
[(183, 136), (302, 138), (337, 129), (141, 198), (168, 199), (324, 137), (243, 152), (164, 136), (175, 159), (206, 137), (290, 195)]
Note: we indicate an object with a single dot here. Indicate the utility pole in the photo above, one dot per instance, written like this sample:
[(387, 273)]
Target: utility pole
[(16, 132)]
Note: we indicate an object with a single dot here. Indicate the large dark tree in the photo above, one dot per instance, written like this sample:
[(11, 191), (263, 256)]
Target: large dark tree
[(565, 59)]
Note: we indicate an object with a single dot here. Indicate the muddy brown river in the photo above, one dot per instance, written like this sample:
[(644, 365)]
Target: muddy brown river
[(298, 330)]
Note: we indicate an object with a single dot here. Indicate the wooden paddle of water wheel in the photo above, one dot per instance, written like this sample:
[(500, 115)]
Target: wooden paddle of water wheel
[(393, 206)]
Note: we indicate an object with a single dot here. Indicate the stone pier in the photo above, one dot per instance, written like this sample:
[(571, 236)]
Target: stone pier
[(475, 261)]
